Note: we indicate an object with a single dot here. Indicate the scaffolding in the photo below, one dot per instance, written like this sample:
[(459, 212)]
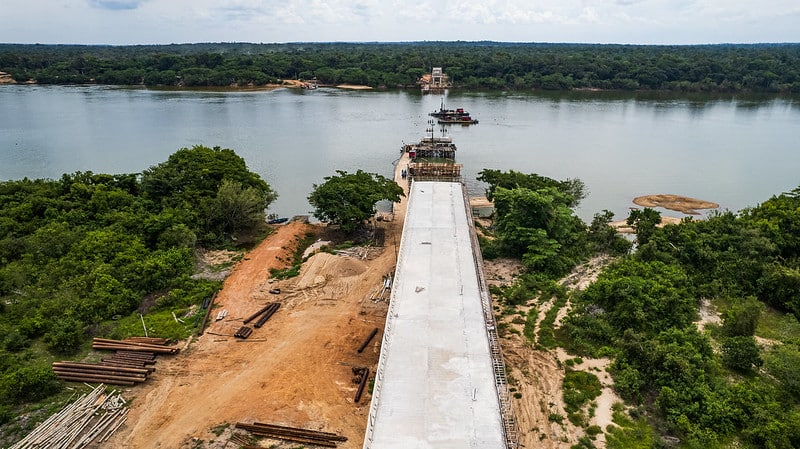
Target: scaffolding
[(435, 171)]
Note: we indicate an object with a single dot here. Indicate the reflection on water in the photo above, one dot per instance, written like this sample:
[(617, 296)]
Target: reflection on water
[(733, 150)]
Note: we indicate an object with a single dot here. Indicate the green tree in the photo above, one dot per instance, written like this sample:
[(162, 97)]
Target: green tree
[(644, 222), (348, 199), (740, 353), (65, 336), (741, 319), (236, 208), (195, 174)]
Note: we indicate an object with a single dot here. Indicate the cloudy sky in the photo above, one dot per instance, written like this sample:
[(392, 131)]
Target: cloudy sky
[(123, 22)]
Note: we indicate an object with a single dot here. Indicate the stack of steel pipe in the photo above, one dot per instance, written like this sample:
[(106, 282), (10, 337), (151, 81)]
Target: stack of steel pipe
[(243, 332), (294, 434), (94, 373), (126, 345), (256, 315), (270, 310)]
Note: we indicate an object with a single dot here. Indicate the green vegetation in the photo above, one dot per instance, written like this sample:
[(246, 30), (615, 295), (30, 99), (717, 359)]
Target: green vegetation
[(83, 255), (579, 389), (471, 65), (690, 389), (297, 258), (349, 199)]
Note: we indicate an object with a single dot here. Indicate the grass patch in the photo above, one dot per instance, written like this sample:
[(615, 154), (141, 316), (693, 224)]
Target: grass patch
[(530, 325), (580, 387), (775, 325), (547, 336), (631, 434), (296, 260)]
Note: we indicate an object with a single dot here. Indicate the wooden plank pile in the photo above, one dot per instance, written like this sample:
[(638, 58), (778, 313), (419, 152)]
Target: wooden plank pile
[(295, 434), (93, 418), (130, 364), (137, 344)]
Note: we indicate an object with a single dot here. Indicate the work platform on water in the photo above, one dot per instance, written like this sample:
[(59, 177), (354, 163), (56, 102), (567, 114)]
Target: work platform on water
[(440, 380)]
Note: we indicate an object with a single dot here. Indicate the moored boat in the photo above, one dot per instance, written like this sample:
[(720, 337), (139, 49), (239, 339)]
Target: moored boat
[(459, 120), (448, 113)]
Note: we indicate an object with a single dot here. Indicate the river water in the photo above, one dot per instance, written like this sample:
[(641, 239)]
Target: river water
[(736, 151)]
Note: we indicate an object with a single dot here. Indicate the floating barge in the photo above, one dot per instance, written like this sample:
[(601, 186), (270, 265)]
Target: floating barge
[(462, 120)]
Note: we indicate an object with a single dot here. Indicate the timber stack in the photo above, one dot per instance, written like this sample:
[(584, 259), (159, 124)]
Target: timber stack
[(91, 419), (130, 364), (295, 434)]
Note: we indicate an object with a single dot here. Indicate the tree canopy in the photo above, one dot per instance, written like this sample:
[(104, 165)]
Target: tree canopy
[(79, 254), (470, 65), (349, 199)]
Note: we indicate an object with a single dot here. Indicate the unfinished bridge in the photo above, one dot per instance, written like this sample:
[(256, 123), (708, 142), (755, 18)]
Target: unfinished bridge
[(440, 380)]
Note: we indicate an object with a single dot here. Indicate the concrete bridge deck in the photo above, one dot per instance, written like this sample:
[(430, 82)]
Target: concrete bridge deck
[(439, 383)]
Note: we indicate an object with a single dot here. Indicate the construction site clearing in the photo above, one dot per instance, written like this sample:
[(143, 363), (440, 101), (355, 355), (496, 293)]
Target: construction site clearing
[(309, 367)]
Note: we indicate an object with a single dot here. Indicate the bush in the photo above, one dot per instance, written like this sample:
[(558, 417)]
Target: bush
[(27, 384)]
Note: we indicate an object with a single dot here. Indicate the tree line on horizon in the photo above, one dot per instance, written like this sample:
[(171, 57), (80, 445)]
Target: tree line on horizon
[(771, 68)]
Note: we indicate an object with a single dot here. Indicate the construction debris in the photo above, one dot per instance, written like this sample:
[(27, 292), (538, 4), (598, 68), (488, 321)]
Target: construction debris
[(93, 418)]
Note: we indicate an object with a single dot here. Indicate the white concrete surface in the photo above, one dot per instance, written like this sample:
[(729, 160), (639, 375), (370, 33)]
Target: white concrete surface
[(435, 384)]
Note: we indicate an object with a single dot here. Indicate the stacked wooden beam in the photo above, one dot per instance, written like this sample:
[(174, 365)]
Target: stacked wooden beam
[(131, 345), (97, 373), (130, 359), (295, 434), (130, 364), (93, 418)]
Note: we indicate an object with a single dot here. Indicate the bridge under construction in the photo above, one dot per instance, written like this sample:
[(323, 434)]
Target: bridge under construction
[(440, 380)]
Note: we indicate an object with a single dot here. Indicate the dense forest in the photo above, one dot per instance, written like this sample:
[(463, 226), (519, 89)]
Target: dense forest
[(85, 254), (732, 384), (470, 65)]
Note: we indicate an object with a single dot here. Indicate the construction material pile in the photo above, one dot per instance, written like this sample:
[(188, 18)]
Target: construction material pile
[(131, 363), (93, 418), (261, 317), (294, 434)]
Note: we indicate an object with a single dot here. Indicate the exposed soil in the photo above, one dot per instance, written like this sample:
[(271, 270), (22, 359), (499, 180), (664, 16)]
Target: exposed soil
[(536, 375), (297, 369)]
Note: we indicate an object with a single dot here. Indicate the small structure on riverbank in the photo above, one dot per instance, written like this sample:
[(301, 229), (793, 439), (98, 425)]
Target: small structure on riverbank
[(435, 82)]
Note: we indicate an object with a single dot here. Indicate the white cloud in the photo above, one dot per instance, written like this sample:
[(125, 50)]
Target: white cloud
[(622, 21), (116, 5)]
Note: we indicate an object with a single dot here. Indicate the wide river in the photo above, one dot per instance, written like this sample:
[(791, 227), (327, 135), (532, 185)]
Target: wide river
[(736, 151)]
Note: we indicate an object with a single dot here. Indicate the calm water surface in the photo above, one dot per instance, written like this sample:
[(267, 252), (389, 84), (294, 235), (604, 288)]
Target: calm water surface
[(736, 151)]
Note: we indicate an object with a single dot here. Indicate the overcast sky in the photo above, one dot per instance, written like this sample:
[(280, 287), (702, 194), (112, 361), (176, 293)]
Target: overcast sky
[(123, 22)]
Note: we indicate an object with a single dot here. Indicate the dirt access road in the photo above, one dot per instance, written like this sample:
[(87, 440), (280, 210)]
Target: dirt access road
[(295, 370)]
